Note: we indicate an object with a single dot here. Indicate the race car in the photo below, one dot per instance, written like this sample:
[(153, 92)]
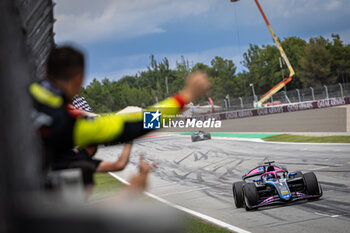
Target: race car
[(200, 136), (273, 184)]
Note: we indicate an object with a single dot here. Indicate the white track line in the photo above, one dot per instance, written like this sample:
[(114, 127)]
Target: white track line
[(328, 215), (189, 211), (319, 168), (309, 143), (181, 192)]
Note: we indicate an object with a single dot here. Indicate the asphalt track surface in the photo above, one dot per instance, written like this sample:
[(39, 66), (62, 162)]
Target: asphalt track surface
[(199, 176), (323, 121)]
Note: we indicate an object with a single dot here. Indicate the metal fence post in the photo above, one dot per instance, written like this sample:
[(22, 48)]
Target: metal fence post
[(225, 103), (326, 88), (240, 98), (298, 94), (227, 98), (313, 94), (285, 95), (271, 100), (341, 90), (255, 97)]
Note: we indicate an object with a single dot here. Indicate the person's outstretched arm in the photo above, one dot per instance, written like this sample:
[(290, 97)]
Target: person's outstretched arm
[(138, 182), (115, 128), (119, 164)]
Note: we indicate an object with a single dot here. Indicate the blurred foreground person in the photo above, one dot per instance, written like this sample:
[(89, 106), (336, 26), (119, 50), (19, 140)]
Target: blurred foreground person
[(61, 130), (83, 158)]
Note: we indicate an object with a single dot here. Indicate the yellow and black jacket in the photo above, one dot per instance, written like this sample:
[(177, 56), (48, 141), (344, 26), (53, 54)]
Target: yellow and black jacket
[(61, 131)]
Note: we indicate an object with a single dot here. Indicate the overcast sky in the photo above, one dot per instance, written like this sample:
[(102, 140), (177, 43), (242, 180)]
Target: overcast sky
[(120, 35)]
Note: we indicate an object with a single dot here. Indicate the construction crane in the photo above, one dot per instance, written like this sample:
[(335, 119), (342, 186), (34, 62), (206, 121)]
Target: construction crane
[(283, 83)]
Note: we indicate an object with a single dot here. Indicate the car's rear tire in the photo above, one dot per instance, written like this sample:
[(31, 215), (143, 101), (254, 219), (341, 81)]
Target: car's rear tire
[(237, 193), (311, 184), (251, 195)]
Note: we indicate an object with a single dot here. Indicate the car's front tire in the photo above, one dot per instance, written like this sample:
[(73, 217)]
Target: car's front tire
[(311, 184), (251, 196), (237, 193)]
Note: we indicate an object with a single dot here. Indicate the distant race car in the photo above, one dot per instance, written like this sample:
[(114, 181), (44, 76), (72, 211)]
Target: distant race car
[(200, 135), (274, 185)]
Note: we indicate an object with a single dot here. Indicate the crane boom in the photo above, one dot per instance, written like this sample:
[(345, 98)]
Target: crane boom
[(281, 84)]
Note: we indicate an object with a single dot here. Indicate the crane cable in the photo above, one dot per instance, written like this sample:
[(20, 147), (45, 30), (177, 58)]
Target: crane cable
[(239, 42)]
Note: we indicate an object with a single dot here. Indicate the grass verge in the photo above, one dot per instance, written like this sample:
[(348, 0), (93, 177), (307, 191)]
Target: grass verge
[(106, 186), (300, 138), (195, 225)]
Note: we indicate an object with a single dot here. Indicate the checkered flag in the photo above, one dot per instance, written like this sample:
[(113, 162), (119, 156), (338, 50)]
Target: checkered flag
[(79, 102)]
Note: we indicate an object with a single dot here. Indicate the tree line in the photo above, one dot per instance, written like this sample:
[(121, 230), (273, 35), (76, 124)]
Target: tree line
[(316, 62)]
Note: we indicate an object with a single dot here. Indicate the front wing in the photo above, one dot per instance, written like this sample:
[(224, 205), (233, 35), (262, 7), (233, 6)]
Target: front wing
[(277, 200)]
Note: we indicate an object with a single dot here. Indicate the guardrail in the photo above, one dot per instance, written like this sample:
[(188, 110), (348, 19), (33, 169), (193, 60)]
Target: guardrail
[(307, 105), (286, 97)]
